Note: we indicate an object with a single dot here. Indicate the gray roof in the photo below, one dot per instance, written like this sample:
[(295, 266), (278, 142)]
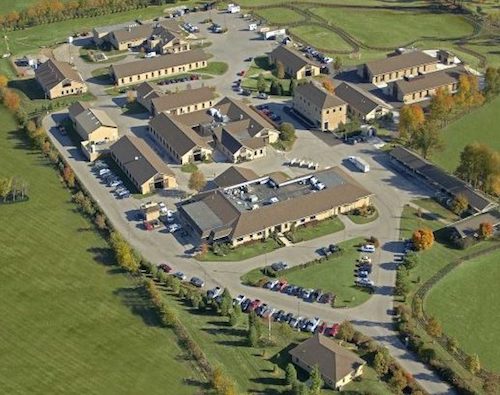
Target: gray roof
[(139, 159), (180, 137), (230, 142), (92, 119), (358, 99), (470, 225), (399, 62), (53, 72), (320, 97), (110, 28), (235, 175), (77, 108), (428, 81), (158, 63), (133, 33), (182, 98), (291, 58)]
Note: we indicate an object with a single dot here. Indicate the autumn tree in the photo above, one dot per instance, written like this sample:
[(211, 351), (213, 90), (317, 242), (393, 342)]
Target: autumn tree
[(485, 230), (221, 383), (280, 69), (3, 81), (460, 204), (441, 106), (346, 331), (452, 344), (100, 221), (473, 364), (328, 85), (468, 93), (398, 381), (411, 118), (197, 181), (434, 327), (337, 64), (380, 362), (423, 239), (124, 254), (11, 100), (5, 187), (68, 176), (426, 139)]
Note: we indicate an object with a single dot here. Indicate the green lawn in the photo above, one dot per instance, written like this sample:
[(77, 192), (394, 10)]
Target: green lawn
[(368, 26), (481, 125), (280, 15), (399, 3), (243, 252), (215, 68), (335, 275), (318, 229), (320, 37), (71, 323), (360, 220), (434, 207), (189, 168), (466, 302)]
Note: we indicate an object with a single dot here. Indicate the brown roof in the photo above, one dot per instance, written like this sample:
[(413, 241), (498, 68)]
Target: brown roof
[(92, 119), (183, 98), (180, 137), (141, 162), (77, 108), (427, 81), (235, 175), (291, 58), (360, 100), (334, 361), (158, 63), (133, 33), (399, 62), (53, 72), (320, 97)]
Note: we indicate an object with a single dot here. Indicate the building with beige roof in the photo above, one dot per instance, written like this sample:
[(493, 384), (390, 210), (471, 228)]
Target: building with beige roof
[(92, 124), (296, 64), (59, 79), (338, 366), (255, 209), (234, 175), (164, 41), (323, 109)]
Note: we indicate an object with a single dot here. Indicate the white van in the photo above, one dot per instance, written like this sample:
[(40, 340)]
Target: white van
[(367, 248)]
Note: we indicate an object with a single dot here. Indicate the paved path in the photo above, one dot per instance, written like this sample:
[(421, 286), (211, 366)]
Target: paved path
[(392, 192)]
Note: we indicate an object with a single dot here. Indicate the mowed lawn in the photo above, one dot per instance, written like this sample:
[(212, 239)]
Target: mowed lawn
[(320, 37), (280, 15), (480, 125), (71, 323), (466, 302), (370, 26)]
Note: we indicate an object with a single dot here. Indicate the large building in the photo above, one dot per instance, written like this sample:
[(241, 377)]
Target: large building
[(142, 165), (59, 79), (92, 124), (164, 41), (323, 109), (396, 67), (296, 64), (338, 366), (361, 104), (255, 209), (160, 66)]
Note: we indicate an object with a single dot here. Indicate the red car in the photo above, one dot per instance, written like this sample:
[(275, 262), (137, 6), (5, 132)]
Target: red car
[(254, 305), (321, 327), (147, 225), (166, 268), (241, 73), (331, 332), (282, 285)]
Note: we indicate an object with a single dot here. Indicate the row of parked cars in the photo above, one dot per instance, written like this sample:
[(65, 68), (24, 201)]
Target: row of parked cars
[(264, 110), (196, 281), (307, 294), (314, 54), (300, 323), (102, 170), (190, 28), (364, 267), (175, 80)]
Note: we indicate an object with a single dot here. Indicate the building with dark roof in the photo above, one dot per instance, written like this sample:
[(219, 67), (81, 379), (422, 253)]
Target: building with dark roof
[(323, 109), (296, 64), (145, 169), (469, 227), (338, 366), (234, 175), (184, 102), (422, 170), (164, 41), (161, 66), (59, 79), (397, 67), (92, 124), (255, 209), (360, 103)]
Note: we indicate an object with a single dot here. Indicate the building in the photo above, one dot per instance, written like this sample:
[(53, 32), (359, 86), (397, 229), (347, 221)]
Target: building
[(234, 175), (100, 35), (233, 141), (469, 227), (422, 87), (361, 104), (295, 63), (397, 67), (441, 181), (142, 165), (163, 41), (338, 365), (145, 92), (91, 124), (157, 67), (59, 79), (256, 209), (130, 36), (182, 143), (323, 109)]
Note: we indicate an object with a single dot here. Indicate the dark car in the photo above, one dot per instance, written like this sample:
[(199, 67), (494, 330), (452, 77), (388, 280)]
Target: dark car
[(316, 295), (279, 266), (287, 317), (333, 248), (277, 315), (197, 282), (246, 92), (326, 298), (365, 268), (164, 267), (324, 251)]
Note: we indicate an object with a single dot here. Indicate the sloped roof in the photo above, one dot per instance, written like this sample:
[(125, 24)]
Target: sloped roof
[(358, 99), (182, 98), (399, 62), (334, 361), (139, 159), (235, 175), (92, 119), (133, 33), (77, 108), (53, 72), (291, 58), (428, 81), (320, 97), (230, 142)]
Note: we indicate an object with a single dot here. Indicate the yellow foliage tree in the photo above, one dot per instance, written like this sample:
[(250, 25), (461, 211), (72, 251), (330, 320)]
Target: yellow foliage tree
[(423, 239)]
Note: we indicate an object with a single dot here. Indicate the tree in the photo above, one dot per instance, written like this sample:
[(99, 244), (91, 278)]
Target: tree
[(252, 336), (398, 381), (287, 132), (293, 85), (5, 187), (290, 374), (11, 100), (226, 303), (468, 94), (100, 222), (410, 260), (490, 384), (197, 181), (261, 83), (380, 363), (452, 345), (276, 88), (411, 117), (473, 364), (337, 64), (280, 70), (124, 253), (316, 381), (328, 85), (131, 98), (423, 239), (299, 389), (426, 139), (69, 176), (441, 106), (434, 327), (460, 204), (492, 80), (3, 81), (346, 331), (485, 230)]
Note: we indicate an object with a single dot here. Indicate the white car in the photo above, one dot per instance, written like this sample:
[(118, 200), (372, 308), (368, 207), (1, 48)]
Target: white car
[(173, 228), (238, 300), (365, 282), (312, 324), (115, 183), (365, 259), (367, 248)]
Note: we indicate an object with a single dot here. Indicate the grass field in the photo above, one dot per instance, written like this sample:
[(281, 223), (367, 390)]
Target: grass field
[(481, 125), (320, 37), (318, 229), (413, 3), (280, 15), (243, 252), (215, 68), (466, 302), (434, 207), (71, 323)]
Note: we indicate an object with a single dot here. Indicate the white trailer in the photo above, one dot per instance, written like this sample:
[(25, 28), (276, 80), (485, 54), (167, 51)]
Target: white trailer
[(273, 33), (359, 163), (233, 8)]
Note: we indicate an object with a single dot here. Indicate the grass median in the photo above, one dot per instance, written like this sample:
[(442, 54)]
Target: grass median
[(240, 253)]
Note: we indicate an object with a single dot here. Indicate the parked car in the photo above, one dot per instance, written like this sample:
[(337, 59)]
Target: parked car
[(271, 284), (315, 295), (312, 324), (197, 282), (331, 331), (238, 300), (365, 282), (362, 274), (263, 96), (245, 304), (164, 267), (241, 73), (326, 298), (325, 251), (294, 321), (214, 292), (260, 309), (279, 266), (173, 228), (333, 248), (367, 248), (180, 275), (365, 268), (277, 314), (253, 305), (306, 293), (321, 327)]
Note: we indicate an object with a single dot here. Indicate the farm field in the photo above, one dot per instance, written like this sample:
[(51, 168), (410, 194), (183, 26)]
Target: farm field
[(481, 125), (320, 37), (71, 322), (280, 15), (399, 3), (464, 308)]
